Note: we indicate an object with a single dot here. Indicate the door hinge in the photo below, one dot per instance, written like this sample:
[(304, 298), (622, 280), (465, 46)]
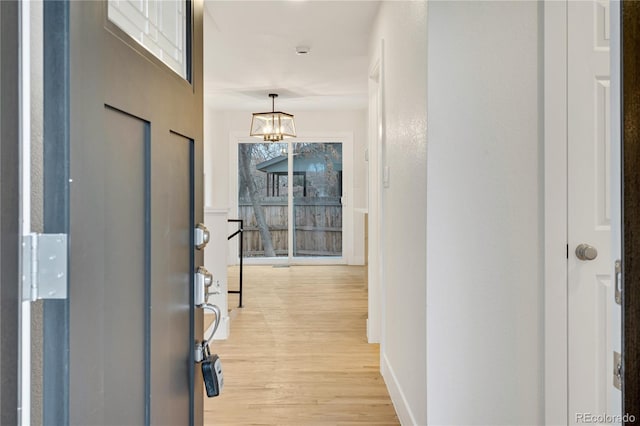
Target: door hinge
[(617, 370), (44, 266)]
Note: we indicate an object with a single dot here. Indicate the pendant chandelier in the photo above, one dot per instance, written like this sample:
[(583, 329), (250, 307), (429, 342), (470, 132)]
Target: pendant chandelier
[(272, 126)]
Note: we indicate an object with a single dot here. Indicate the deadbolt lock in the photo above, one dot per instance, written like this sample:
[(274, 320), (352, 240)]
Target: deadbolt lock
[(201, 236)]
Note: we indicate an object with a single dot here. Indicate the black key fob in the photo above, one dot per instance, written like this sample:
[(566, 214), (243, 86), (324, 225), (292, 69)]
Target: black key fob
[(212, 375)]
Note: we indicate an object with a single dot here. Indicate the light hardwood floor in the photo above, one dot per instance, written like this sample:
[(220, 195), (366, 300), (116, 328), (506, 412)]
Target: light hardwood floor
[(298, 354)]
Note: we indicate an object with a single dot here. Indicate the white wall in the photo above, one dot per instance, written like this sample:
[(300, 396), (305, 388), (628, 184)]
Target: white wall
[(484, 215), (403, 27)]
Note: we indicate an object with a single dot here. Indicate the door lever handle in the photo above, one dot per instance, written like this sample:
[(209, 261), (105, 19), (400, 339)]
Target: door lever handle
[(202, 347)]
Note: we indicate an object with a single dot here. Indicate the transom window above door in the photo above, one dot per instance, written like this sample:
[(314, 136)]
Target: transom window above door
[(160, 26)]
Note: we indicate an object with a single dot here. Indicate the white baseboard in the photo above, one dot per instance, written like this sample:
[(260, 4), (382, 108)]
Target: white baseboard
[(400, 403), (357, 260), (223, 330)]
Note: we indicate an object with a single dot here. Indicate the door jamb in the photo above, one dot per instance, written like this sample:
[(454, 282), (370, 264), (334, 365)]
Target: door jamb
[(555, 213), (615, 59)]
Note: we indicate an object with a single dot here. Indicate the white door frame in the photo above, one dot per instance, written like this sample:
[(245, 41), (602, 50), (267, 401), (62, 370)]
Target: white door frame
[(346, 138), (615, 397), (375, 317), (555, 213)]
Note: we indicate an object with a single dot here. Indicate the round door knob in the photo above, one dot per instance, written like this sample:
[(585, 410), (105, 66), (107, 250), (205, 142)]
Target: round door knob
[(586, 252)]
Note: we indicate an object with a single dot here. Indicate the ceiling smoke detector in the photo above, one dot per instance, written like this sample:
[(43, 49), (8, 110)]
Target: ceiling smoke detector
[(302, 50)]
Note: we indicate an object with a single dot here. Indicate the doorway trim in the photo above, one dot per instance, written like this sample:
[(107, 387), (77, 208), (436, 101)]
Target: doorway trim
[(555, 213), (375, 207), (346, 138)]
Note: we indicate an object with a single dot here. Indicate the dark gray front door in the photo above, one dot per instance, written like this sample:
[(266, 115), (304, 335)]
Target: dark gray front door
[(9, 211), (124, 339)]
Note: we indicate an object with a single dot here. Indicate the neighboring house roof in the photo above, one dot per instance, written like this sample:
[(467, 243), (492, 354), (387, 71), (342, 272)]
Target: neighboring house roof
[(301, 163)]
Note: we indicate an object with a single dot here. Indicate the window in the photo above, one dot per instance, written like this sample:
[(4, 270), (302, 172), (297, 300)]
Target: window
[(270, 191), (263, 198), (160, 26)]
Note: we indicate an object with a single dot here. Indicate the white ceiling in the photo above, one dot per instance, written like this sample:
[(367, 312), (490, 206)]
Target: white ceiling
[(249, 52)]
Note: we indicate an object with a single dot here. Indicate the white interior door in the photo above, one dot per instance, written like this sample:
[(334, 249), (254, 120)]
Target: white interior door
[(590, 288)]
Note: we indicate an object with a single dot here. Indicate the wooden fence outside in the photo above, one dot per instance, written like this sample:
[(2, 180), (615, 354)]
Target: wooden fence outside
[(317, 230)]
